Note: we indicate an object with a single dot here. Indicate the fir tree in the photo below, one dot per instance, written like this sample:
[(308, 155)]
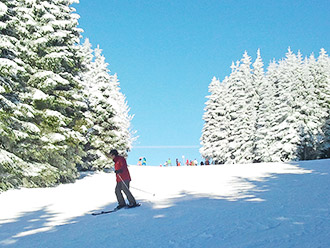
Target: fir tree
[(108, 111), (242, 113), (284, 127), (42, 126), (52, 54), (264, 97), (322, 90), (213, 139), (220, 142), (266, 116), (280, 116)]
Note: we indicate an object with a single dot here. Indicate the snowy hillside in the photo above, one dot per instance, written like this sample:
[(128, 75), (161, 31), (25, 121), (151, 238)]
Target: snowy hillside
[(251, 205)]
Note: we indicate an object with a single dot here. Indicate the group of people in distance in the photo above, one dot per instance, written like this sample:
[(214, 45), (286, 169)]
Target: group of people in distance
[(187, 163), (143, 161)]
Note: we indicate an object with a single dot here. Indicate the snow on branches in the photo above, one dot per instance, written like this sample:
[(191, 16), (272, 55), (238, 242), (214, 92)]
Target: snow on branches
[(281, 115)]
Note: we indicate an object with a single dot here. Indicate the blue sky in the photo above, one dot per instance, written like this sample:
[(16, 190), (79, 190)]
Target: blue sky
[(166, 52)]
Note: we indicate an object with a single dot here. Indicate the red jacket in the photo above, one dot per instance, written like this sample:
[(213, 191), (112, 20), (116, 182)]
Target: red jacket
[(120, 164)]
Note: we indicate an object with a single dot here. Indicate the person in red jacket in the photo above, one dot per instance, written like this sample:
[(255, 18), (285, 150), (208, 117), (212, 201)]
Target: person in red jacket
[(123, 179)]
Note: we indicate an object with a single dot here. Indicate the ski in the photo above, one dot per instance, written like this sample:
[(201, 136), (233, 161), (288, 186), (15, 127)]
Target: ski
[(105, 212), (115, 209)]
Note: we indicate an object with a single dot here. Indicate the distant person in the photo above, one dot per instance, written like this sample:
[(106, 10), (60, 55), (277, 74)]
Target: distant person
[(177, 162), (202, 163), (144, 161), (195, 162), (169, 162), (187, 162), (123, 179), (207, 162), (139, 162)]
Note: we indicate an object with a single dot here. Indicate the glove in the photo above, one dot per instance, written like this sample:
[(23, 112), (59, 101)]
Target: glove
[(118, 171)]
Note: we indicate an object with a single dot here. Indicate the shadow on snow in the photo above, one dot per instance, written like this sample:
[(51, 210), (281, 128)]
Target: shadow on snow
[(294, 212)]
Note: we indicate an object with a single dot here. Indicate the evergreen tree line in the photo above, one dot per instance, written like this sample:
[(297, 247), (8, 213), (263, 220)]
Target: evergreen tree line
[(282, 114), (60, 108)]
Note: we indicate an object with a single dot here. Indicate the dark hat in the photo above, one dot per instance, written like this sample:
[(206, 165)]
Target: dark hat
[(113, 152)]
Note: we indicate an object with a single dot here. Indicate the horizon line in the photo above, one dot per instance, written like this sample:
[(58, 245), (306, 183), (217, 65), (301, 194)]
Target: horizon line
[(165, 147)]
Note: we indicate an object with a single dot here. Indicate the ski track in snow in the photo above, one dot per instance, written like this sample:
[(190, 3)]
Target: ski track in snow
[(251, 205)]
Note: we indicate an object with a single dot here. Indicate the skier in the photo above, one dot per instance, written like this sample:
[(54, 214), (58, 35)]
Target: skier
[(195, 162), (123, 179)]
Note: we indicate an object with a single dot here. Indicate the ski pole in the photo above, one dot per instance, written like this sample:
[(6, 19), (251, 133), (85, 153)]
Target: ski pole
[(143, 191), (123, 181), (134, 187)]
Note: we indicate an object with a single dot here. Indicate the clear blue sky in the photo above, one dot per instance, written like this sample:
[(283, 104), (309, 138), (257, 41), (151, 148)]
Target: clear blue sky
[(166, 52)]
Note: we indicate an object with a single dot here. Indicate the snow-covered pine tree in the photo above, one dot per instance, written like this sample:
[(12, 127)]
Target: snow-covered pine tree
[(220, 144), (123, 132), (242, 112), (52, 52), (264, 135), (285, 127), (265, 94), (310, 114), (289, 108), (15, 128), (303, 102), (109, 120), (210, 119), (214, 133), (322, 90), (48, 117)]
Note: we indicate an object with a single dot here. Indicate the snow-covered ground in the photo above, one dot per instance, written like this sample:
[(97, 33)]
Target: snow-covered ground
[(256, 205)]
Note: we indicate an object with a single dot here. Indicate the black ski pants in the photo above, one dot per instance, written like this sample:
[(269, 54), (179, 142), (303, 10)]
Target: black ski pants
[(124, 186)]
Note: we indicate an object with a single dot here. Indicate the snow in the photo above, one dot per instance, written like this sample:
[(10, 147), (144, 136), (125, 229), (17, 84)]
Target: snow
[(248, 205), (2, 25), (30, 127), (3, 9), (53, 138), (9, 67), (38, 94), (41, 40)]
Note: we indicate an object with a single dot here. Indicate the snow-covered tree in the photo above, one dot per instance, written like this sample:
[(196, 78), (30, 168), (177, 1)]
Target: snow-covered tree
[(265, 94), (266, 115), (123, 132), (283, 143), (52, 54), (42, 114), (214, 133), (280, 116), (242, 112), (109, 120), (45, 113), (322, 91)]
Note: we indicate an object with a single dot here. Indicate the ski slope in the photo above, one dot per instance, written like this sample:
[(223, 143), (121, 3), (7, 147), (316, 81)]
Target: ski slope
[(251, 205)]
